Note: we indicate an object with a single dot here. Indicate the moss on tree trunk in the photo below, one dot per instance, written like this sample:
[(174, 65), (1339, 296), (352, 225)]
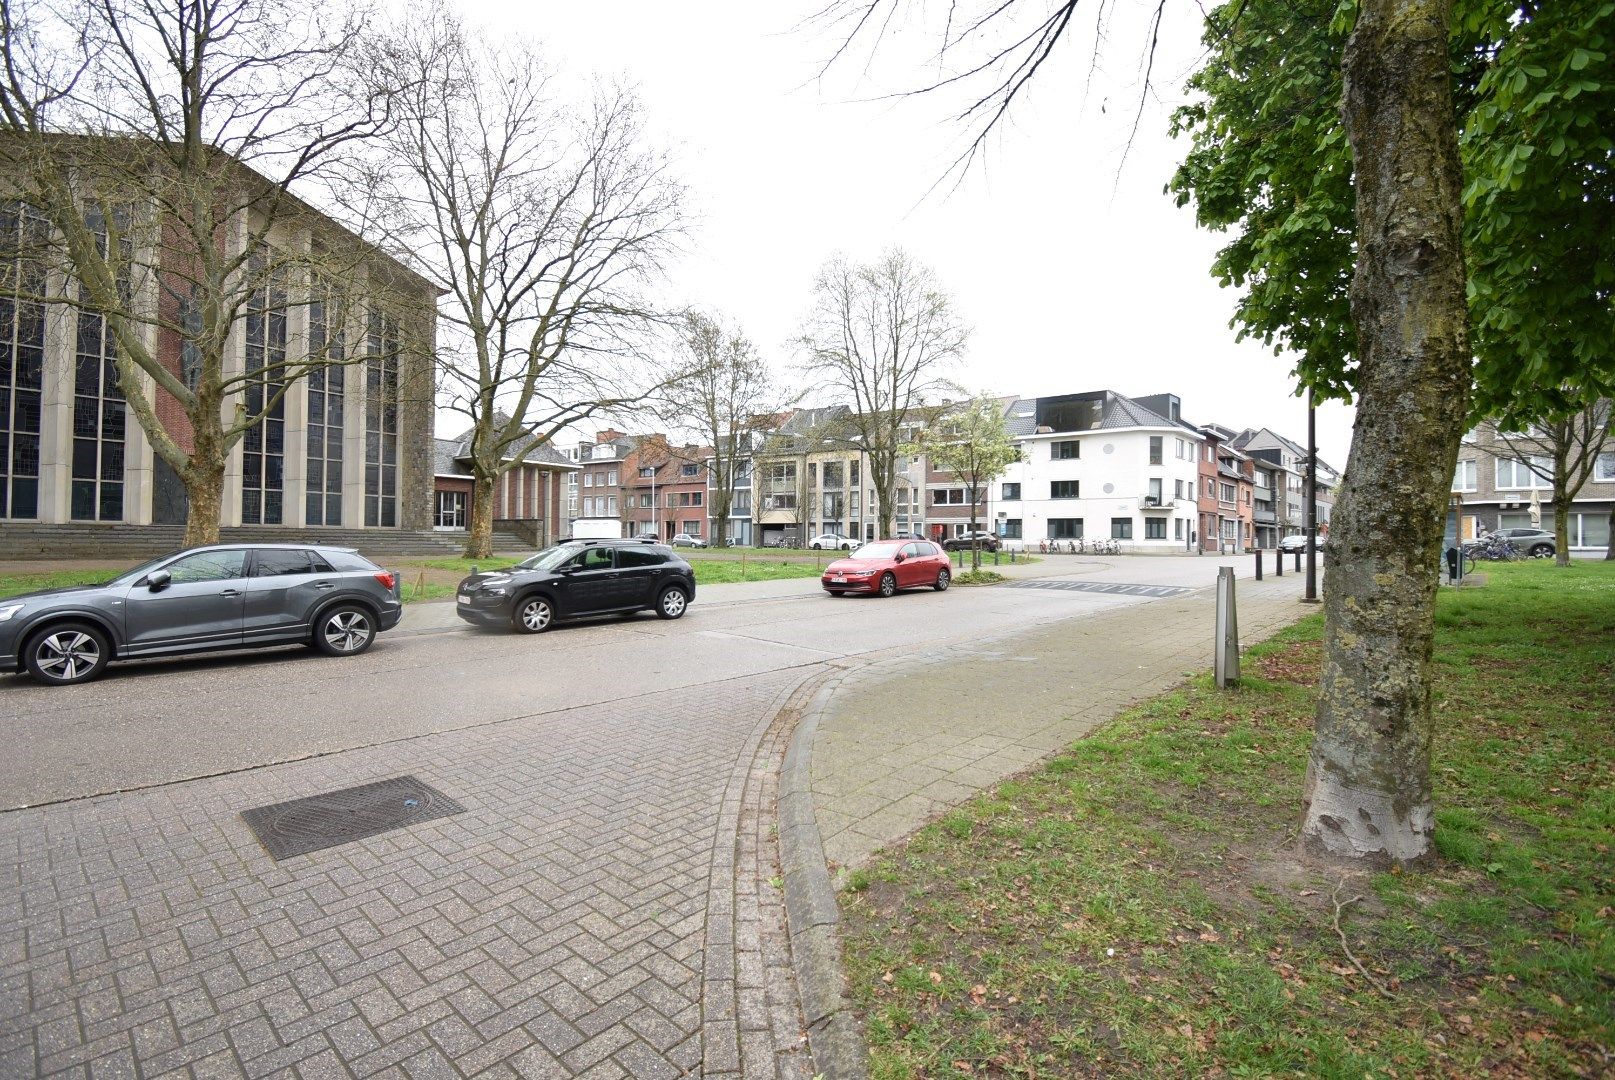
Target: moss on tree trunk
[(1368, 779)]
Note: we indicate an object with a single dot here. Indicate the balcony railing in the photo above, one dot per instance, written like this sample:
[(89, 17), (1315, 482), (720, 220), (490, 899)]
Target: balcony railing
[(1156, 502)]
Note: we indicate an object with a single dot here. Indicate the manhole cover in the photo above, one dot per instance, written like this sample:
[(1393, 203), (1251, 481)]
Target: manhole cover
[(339, 817)]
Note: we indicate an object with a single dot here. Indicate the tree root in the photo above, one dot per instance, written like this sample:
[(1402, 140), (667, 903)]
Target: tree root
[(1341, 906)]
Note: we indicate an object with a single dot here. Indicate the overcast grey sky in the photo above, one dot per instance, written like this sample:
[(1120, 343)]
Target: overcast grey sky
[(1075, 269)]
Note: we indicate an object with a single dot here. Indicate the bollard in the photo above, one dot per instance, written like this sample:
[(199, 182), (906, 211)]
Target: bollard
[(1225, 664), (1258, 564), (995, 556), (1298, 562), (1278, 563)]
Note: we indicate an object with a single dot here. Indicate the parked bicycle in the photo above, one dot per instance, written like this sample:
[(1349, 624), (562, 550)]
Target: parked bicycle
[(1493, 548)]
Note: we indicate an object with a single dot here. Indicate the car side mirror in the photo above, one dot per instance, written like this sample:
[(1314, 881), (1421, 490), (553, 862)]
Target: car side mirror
[(158, 580), (901, 557)]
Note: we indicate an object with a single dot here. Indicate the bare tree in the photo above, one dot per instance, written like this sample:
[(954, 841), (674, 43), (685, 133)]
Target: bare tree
[(159, 141), (541, 221), (1563, 449), (729, 400), (971, 442), (883, 334)]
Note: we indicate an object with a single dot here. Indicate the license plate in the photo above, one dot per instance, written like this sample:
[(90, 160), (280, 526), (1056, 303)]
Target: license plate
[(839, 580), (462, 599)]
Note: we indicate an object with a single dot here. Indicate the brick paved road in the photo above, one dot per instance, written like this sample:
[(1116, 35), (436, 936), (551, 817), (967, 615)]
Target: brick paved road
[(604, 907)]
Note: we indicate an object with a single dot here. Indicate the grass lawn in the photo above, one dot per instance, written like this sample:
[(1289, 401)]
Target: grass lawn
[(1136, 907)]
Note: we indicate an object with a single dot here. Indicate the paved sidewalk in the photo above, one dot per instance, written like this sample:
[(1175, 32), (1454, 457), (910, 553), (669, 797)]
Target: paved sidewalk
[(903, 741)]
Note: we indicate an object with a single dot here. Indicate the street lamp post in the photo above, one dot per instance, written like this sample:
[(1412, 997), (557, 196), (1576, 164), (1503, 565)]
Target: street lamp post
[(1311, 595)]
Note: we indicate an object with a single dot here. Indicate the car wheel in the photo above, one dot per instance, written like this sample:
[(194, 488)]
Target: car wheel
[(1542, 551), (345, 630), (943, 580), (672, 603), (67, 653), (888, 584), (534, 615)]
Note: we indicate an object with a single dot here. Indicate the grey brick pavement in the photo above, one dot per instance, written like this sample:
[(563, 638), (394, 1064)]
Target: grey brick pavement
[(903, 741), (556, 928)]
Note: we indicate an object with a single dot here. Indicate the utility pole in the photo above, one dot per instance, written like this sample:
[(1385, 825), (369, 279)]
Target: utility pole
[(1311, 595)]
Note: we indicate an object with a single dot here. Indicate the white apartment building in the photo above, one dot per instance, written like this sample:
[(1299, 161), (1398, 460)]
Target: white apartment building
[(1097, 466)]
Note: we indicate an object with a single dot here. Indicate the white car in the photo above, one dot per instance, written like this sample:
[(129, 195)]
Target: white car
[(831, 542)]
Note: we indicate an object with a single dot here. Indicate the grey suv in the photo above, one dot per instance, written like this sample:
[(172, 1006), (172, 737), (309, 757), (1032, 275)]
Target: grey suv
[(199, 600), (580, 577)]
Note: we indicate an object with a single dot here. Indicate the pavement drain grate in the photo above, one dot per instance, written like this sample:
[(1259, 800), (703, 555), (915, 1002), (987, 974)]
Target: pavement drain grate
[(339, 817), (1100, 587)]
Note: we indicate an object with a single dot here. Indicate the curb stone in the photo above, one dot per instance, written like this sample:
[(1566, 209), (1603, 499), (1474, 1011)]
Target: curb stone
[(835, 1038)]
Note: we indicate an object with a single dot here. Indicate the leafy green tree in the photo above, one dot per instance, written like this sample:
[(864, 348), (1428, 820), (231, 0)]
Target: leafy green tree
[(971, 442), (1534, 93)]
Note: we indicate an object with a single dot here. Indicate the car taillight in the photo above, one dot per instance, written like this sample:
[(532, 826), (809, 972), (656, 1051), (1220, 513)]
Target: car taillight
[(386, 578)]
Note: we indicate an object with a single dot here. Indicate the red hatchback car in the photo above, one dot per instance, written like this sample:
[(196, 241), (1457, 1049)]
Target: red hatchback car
[(884, 566)]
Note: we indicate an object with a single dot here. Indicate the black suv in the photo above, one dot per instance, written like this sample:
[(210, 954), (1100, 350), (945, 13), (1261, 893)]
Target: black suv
[(580, 577), (963, 542)]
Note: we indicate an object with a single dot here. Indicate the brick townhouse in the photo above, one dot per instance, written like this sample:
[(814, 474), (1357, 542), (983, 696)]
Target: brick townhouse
[(665, 489)]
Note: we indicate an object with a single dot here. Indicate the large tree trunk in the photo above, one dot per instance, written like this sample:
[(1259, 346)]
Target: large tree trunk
[(204, 493), (203, 477), (1367, 791), (479, 542)]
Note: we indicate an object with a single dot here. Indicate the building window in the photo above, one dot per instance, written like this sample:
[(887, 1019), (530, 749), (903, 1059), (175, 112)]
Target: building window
[(263, 447), (611, 478), (22, 359), (98, 414), (645, 502), (381, 422), (1512, 474), (1011, 492), (1065, 528), (1065, 451), (1010, 528), (646, 472), (611, 504), (692, 527), (1121, 528), (691, 469), (1604, 468), (1177, 528), (1155, 528), (327, 387), (450, 510), (1465, 477), (1227, 493), (1155, 449), (949, 497), (1177, 489), (1211, 488), (1065, 489)]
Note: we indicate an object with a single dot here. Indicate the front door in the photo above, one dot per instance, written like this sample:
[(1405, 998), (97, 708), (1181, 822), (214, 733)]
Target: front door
[(200, 606), (588, 582)]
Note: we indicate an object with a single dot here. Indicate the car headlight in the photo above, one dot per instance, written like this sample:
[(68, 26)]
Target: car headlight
[(493, 590), (8, 611)]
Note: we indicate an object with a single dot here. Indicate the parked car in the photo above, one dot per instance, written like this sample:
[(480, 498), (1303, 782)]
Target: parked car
[(576, 579), (831, 542), (1536, 543), (686, 540), (963, 542), (223, 596), (885, 566), (649, 537), (1293, 543)]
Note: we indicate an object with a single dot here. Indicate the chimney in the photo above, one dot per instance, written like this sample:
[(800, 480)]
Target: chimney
[(607, 435)]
